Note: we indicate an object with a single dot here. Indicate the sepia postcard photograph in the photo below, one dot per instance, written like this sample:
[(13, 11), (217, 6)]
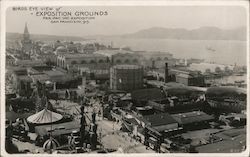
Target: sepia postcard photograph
[(116, 77)]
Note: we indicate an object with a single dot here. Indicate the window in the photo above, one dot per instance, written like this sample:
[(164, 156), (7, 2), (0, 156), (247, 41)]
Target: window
[(83, 62)]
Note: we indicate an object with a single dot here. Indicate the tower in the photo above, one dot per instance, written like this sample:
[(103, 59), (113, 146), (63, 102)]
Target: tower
[(26, 42), (26, 35), (166, 73)]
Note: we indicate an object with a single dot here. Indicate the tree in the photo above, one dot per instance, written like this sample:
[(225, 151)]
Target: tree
[(10, 147), (208, 70), (50, 63), (217, 69), (226, 69)]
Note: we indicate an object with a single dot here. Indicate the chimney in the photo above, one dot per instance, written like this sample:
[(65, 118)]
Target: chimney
[(54, 86), (153, 64), (166, 73)]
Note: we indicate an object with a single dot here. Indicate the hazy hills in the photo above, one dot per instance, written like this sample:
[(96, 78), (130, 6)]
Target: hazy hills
[(202, 33)]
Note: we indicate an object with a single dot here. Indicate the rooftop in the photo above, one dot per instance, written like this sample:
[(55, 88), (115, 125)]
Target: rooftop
[(77, 55), (147, 94), (40, 77), (186, 90), (57, 129), (191, 117), (61, 48), (10, 57), (54, 73), (132, 121), (42, 68), (153, 53), (29, 62), (110, 53), (225, 91), (184, 75), (126, 66), (25, 78), (20, 71), (102, 66), (160, 119)]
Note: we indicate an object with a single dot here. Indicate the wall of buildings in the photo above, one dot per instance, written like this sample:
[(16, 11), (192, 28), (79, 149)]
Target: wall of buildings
[(157, 59), (48, 57), (126, 58), (183, 79), (71, 60), (190, 80), (197, 81)]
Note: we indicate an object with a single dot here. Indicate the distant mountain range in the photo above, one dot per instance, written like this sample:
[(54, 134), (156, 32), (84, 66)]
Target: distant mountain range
[(43, 37), (202, 33)]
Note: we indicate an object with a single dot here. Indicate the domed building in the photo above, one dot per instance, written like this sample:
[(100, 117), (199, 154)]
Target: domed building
[(46, 48), (89, 48), (57, 44), (72, 48), (61, 50)]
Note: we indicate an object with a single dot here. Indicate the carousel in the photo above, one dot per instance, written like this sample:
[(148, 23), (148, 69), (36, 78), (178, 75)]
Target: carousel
[(45, 116)]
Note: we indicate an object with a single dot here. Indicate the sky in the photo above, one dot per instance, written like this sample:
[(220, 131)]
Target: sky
[(129, 19)]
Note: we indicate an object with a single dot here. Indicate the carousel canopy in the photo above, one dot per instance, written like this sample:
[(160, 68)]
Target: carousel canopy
[(44, 116)]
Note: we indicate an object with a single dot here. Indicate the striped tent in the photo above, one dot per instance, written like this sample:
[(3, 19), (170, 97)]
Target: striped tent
[(44, 116)]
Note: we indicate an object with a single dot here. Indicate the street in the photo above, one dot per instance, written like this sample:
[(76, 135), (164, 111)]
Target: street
[(113, 138)]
